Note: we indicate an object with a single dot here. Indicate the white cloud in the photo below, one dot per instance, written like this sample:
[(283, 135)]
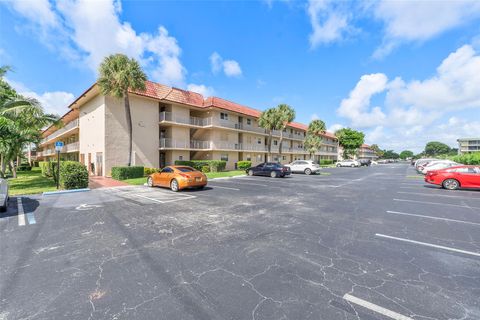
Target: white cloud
[(314, 117), (54, 102), (329, 23), (407, 21), (86, 31), (231, 68), (335, 127), (202, 89)]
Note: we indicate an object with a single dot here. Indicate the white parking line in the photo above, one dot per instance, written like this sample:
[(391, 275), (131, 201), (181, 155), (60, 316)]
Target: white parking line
[(21, 213), (162, 201), (437, 195), (476, 254), (435, 218), (371, 306), (213, 186), (441, 204)]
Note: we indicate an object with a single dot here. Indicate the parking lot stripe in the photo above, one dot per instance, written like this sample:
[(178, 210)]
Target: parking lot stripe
[(21, 213), (376, 308), (31, 218), (437, 195), (163, 201), (430, 217), (441, 204), (476, 254), (224, 187)]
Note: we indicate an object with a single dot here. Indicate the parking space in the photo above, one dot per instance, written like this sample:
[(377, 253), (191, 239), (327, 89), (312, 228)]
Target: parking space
[(351, 243)]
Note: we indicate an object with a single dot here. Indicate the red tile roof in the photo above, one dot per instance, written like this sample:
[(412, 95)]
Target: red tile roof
[(365, 146), (231, 106)]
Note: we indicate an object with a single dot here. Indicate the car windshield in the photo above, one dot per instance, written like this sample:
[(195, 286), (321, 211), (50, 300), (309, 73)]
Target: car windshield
[(185, 169)]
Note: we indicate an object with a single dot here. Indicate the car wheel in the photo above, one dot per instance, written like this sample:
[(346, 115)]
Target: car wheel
[(338, 166), (353, 166), (273, 174), (150, 182), (308, 171), (250, 172), (5, 206), (174, 185), (451, 184)]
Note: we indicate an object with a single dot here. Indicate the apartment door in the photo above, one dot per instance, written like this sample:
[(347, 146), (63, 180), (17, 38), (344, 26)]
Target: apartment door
[(99, 164), (162, 160)]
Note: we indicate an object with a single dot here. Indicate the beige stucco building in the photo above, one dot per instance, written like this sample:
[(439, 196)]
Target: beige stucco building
[(468, 145), (366, 152), (170, 124)]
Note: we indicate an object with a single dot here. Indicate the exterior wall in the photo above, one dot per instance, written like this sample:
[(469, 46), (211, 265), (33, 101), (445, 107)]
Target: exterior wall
[(468, 145), (173, 155), (232, 158), (92, 130), (145, 130)]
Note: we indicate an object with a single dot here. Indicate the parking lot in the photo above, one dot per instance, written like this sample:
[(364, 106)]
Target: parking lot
[(352, 243)]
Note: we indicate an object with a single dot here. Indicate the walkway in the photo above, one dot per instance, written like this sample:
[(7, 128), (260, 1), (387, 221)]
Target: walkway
[(95, 182)]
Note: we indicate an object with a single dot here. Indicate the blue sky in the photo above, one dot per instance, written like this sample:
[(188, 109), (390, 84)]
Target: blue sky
[(402, 72)]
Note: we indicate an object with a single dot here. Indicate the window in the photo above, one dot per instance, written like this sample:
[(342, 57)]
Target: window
[(259, 157), (167, 170), (259, 140), (186, 169), (249, 122), (284, 157), (180, 157), (248, 157), (223, 116), (275, 142), (224, 157)]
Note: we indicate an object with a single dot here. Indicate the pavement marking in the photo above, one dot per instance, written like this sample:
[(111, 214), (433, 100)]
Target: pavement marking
[(225, 188), (430, 217), (437, 195), (437, 203), (86, 207), (21, 213), (31, 218), (164, 201), (476, 254), (376, 308)]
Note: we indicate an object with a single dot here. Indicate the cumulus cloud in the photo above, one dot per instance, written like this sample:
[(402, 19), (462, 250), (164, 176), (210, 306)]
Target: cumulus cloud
[(230, 68), (335, 127), (53, 102), (314, 117), (202, 89)]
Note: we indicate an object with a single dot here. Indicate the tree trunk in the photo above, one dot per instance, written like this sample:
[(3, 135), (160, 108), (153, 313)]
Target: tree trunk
[(13, 169), (2, 166), (269, 146), (128, 116), (280, 144)]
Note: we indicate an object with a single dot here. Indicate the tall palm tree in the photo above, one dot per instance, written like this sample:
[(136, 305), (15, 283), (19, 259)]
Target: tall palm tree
[(312, 144), (118, 74), (317, 127), (287, 115), (270, 120)]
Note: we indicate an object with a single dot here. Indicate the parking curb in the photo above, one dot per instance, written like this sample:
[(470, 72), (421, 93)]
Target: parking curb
[(65, 191)]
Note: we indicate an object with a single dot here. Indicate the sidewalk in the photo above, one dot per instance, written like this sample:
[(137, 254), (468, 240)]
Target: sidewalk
[(95, 182)]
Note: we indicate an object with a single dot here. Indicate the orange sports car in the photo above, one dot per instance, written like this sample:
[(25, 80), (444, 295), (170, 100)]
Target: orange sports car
[(177, 178)]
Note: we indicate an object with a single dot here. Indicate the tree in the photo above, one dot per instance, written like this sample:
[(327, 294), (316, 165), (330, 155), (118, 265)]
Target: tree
[(287, 115), (317, 127), (378, 151), (312, 144), (390, 154), (406, 154), (118, 74), (350, 140), (434, 148), (270, 120)]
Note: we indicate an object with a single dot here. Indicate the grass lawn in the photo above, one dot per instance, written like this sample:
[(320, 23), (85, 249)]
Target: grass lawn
[(136, 181), (30, 182), (211, 175)]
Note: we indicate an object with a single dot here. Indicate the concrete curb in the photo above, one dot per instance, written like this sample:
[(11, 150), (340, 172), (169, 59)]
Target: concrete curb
[(65, 191)]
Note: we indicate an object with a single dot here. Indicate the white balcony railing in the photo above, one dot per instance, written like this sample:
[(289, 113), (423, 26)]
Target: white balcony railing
[(71, 147), (168, 143), (69, 126), (194, 121)]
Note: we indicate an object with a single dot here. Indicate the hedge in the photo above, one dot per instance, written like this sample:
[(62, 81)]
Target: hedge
[(24, 167), (149, 171), (73, 175), (46, 168), (214, 165), (468, 158), (243, 165), (122, 173), (325, 162)]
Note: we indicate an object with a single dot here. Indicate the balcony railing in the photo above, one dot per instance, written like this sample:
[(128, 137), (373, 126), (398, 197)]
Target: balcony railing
[(239, 126), (168, 143), (71, 125), (194, 121), (71, 147)]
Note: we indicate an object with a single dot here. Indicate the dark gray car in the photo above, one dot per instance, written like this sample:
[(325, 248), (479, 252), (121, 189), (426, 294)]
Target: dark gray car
[(3, 195)]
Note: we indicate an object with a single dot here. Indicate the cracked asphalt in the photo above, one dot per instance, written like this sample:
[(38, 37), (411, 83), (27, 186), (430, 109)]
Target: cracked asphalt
[(247, 248)]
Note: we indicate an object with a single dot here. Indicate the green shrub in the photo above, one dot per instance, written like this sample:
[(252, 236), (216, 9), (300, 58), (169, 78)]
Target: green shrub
[(122, 173), (214, 165), (468, 158), (73, 175), (243, 165), (24, 167), (205, 169), (326, 162), (45, 168), (149, 171)]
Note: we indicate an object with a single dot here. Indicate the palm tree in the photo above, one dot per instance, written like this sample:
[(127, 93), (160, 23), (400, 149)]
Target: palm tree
[(317, 127), (118, 74), (287, 115), (312, 144), (270, 120)]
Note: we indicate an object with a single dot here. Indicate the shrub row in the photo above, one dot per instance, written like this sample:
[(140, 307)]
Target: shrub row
[(325, 162), (46, 168), (243, 165), (149, 171), (213, 165), (73, 174), (24, 167), (468, 158), (122, 173)]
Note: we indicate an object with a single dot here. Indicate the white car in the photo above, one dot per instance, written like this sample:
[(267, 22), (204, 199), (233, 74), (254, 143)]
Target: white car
[(437, 165), (303, 166), (3, 195), (348, 163)]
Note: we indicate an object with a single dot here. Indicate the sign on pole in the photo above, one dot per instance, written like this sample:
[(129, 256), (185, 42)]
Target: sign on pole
[(58, 148), (58, 145)]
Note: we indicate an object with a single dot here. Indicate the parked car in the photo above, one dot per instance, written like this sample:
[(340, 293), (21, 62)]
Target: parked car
[(348, 163), (455, 177), (303, 166), (3, 195), (374, 163), (269, 169), (365, 162), (383, 161), (423, 162), (177, 178), (437, 165)]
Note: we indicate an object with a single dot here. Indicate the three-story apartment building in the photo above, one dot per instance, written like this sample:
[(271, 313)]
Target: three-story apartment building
[(468, 145), (170, 124), (366, 152)]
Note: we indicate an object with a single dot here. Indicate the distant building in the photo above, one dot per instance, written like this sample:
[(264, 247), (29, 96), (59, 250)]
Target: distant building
[(468, 145), (366, 152)]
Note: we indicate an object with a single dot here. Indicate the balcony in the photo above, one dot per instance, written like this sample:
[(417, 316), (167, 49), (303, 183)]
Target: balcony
[(71, 147), (69, 126), (168, 143), (239, 126), (193, 121)]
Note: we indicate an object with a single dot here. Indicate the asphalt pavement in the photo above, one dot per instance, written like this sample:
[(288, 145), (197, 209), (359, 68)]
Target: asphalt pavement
[(352, 243)]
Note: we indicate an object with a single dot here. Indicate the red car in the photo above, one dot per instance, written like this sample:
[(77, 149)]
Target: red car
[(455, 177)]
